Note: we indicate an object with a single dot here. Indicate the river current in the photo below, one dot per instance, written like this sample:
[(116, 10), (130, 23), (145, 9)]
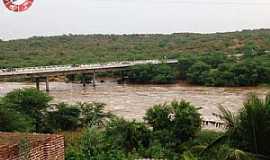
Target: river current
[(132, 101)]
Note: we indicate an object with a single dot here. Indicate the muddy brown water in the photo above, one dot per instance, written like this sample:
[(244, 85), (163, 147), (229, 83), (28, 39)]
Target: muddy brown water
[(131, 101)]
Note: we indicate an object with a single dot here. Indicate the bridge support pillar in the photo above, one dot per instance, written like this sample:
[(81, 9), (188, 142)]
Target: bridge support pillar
[(94, 78), (37, 83), (122, 76), (83, 80), (47, 84)]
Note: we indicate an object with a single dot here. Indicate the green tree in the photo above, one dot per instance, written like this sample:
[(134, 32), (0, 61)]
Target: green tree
[(158, 116), (95, 146), (174, 123), (141, 73), (198, 73), (66, 117), (214, 59), (93, 114), (184, 63), (164, 74), (12, 121), (247, 73), (150, 73), (247, 130), (29, 102), (128, 135)]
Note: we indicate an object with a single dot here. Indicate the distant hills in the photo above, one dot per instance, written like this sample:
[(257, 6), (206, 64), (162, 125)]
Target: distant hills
[(74, 49)]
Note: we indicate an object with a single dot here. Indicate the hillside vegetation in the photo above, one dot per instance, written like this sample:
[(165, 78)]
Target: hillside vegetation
[(77, 49)]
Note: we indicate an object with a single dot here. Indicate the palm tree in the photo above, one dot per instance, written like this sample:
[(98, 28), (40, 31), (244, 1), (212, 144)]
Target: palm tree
[(236, 154), (249, 129)]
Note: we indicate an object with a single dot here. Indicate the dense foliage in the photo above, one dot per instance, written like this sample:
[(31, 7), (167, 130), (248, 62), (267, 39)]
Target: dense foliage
[(121, 139), (170, 131), (11, 120), (248, 129), (174, 123), (221, 59), (245, 137), (77, 49), (149, 73), (29, 110), (29, 103), (221, 70), (210, 69), (64, 118)]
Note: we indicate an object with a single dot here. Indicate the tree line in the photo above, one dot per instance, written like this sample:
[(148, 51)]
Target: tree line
[(212, 69)]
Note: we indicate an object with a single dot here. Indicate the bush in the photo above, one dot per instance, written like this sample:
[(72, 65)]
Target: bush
[(128, 135), (174, 123), (13, 121), (157, 151), (93, 114), (29, 102), (149, 73), (198, 73), (184, 63), (28, 110), (73, 153), (247, 73), (65, 118), (94, 145), (164, 74)]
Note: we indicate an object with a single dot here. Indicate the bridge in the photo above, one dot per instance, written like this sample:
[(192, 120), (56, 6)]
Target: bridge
[(57, 70)]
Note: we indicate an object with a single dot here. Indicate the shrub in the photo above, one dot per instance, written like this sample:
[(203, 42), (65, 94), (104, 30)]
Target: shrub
[(29, 102), (11, 121), (72, 153), (94, 145), (164, 74), (128, 135), (198, 73), (174, 123), (149, 73), (184, 63), (93, 114), (65, 118), (247, 73), (159, 116), (157, 151)]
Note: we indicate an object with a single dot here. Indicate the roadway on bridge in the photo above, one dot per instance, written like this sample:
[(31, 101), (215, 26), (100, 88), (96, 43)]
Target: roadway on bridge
[(47, 70)]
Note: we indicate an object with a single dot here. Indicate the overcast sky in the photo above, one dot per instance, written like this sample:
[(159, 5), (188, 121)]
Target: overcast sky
[(57, 17)]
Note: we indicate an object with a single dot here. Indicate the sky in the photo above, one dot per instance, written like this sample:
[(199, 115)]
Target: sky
[(58, 17)]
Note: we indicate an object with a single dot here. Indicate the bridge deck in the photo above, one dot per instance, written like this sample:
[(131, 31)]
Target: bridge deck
[(68, 69)]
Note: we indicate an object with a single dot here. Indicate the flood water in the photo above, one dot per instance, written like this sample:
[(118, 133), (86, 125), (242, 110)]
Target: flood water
[(131, 101)]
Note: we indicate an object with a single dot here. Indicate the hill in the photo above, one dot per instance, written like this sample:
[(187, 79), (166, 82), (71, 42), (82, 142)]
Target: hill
[(76, 49)]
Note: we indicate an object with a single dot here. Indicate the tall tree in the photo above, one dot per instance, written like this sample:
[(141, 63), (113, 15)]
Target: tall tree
[(30, 102)]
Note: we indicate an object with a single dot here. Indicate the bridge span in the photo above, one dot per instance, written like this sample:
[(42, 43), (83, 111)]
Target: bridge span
[(41, 72)]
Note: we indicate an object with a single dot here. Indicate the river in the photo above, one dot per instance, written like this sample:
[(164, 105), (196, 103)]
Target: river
[(131, 101)]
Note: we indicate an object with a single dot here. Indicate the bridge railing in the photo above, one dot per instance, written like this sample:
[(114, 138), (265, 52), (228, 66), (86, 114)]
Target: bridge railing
[(82, 66)]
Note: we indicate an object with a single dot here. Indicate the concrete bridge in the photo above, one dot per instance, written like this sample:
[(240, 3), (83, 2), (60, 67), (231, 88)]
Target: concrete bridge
[(44, 72)]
